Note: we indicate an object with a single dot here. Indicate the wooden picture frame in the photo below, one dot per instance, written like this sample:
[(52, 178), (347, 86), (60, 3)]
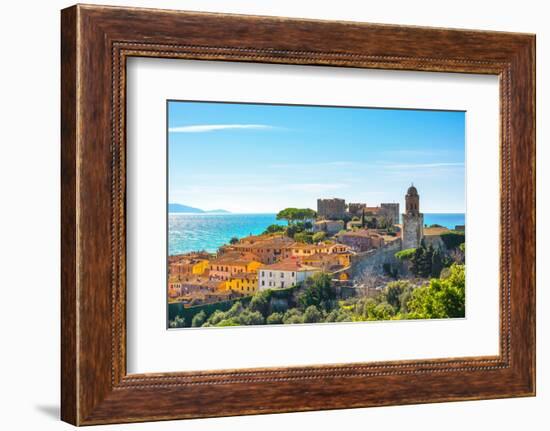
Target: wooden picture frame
[(95, 43)]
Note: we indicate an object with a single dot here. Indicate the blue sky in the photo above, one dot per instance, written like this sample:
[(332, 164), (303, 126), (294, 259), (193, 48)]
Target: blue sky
[(255, 158)]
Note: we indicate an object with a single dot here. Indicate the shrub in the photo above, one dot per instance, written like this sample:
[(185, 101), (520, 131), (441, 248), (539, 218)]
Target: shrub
[(274, 319), (235, 310), (442, 298), (406, 254), (339, 315), (292, 316), (382, 311), (248, 317), (178, 322), (394, 291), (198, 319), (216, 317), (318, 237), (312, 315)]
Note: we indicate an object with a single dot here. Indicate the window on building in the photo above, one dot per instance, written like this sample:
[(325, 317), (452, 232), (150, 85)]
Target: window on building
[(282, 274), (293, 274), (263, 282)]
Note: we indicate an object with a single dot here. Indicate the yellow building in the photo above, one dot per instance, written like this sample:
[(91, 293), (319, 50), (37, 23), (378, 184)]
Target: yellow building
[(344, 259), (200, 266), (231, 264), (245, 283)]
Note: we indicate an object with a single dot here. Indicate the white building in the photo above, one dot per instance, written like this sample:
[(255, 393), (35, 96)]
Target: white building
[(283, 274)]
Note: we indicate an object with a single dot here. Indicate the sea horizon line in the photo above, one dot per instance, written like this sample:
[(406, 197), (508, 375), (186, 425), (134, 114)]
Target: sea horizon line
[(208, 212)]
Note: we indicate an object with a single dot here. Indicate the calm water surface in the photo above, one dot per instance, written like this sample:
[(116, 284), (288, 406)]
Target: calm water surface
[(192, 232)]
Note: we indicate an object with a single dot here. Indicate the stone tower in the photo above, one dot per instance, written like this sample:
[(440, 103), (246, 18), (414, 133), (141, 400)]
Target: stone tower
[(413, 220)]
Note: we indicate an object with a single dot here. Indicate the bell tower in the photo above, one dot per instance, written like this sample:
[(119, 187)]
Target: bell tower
[(413, 220), (412, 201)]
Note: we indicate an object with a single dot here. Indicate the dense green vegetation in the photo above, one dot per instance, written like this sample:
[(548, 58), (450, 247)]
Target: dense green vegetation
[(300, 231), (427, 262), (453, 239), (406, 254), (317, 300), (274, 228)]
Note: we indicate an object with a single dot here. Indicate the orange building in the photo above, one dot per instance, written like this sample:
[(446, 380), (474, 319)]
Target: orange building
[(229, 264), (268, 249)]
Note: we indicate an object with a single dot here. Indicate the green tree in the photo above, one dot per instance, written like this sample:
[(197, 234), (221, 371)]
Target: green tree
[(278, 305), (292, 316), (382, 311), (292, 215), (318, 237), (274, 228), (437, 264), (236, 309), (318, 291), (416, 260), (442, 298), (216, 317), (312, 315), (198, 319), (393, 292), (260, 302), (365, 308), (234, 240), (274, 319), (452, 239), (248, 317), (303, 237), (339, 315), (421, 261), (178, 322)]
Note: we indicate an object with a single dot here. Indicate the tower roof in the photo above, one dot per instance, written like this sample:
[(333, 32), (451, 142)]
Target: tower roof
[(412, 191)]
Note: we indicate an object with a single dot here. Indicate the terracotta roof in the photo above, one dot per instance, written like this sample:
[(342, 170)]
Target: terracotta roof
[(258, 238), (372, 209), (304, 246), (435, 230), (290, 264), (235, 258)]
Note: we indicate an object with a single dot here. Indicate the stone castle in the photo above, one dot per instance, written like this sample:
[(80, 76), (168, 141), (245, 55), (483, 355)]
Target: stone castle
[(412, 219), (336, 209)]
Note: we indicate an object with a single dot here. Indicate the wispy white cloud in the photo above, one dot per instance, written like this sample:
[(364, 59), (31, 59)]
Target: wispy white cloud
[(311, 165), (263, 188), (374, 165), (421, 165), (203, 128)]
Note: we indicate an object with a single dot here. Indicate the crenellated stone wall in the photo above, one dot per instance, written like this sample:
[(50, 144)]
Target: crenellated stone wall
[(372, 261)]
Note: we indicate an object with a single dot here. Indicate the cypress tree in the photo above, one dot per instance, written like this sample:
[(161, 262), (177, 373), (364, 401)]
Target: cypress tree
[(437, 264)]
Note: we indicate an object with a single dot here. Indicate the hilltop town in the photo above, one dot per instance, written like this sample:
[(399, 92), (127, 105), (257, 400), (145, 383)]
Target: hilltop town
[(358, 247)]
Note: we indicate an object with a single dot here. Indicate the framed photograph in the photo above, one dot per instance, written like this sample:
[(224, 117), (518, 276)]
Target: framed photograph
[(265, 215)]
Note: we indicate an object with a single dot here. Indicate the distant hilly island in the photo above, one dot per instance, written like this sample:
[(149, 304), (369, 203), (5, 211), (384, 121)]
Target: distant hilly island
[(179, 208)]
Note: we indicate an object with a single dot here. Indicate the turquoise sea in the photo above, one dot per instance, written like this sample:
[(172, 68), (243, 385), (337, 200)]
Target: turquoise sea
[(193, 232)]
